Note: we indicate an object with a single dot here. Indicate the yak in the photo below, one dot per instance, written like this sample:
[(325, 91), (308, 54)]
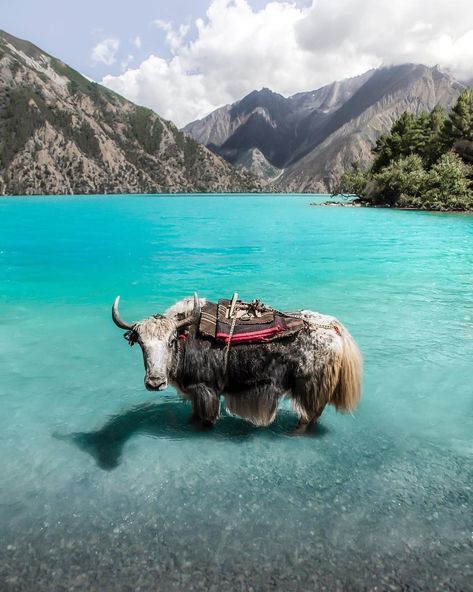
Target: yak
[(318, 366)]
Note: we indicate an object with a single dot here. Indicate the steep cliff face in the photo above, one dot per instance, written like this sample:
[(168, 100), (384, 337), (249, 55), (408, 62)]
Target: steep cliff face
[(353, 129), (260, 121), (313, 137), (61, 134)]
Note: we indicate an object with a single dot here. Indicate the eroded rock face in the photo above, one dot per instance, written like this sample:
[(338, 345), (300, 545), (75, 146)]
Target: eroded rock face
[(313, 137), (63, 134)]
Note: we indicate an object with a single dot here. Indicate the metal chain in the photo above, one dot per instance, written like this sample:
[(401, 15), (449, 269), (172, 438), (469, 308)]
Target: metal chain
[(299, 315), (232, 329), (333, 326)]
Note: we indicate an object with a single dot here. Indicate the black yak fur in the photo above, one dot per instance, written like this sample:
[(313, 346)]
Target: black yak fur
[(320, 365)]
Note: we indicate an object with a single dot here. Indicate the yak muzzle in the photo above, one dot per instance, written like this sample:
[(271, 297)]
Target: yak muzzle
[(156, 384)]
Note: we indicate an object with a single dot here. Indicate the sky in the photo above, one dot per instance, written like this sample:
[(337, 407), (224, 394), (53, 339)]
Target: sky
[(185, 58)]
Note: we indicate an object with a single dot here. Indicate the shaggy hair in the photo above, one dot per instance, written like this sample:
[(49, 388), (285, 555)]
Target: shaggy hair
[(183, 309), (154, 327), (320, 365)]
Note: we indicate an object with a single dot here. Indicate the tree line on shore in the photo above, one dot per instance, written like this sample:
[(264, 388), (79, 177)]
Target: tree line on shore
[(424, 162)]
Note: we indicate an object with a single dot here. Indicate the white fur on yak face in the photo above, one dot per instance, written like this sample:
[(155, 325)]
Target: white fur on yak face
[(156, 336)]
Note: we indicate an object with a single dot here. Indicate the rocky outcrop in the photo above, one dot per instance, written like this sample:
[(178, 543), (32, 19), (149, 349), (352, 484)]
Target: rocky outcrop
[(313, 137), (60, 133), (255, 163)]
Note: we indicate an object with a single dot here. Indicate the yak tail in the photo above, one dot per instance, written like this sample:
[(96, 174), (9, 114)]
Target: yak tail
[(346, 395)]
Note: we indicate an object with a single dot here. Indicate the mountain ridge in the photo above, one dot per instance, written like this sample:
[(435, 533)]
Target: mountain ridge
[(61, 133), (321, 132)]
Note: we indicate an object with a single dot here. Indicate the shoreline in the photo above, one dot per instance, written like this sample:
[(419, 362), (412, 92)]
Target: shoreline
[(361, 204), (167, 194), (356, 203)]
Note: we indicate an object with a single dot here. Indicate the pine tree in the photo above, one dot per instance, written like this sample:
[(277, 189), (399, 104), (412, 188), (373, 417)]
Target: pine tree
[(434, 146), (407, 137), (382, 152), (421, 162), (459, 125)]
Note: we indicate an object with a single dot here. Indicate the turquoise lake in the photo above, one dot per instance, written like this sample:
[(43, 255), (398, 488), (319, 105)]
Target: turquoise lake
[(105, 486)]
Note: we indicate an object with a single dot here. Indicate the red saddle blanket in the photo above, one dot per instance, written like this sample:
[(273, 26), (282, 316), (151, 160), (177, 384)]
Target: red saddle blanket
[(247, 323)]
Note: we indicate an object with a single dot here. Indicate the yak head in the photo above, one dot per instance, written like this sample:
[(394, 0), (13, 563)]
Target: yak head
[(157, 337)]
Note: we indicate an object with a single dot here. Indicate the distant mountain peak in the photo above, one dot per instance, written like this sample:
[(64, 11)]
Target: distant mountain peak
[(264, 98), (315, 135)]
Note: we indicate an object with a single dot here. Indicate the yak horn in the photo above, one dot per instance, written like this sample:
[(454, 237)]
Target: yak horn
[(116, 316), (195, 315)]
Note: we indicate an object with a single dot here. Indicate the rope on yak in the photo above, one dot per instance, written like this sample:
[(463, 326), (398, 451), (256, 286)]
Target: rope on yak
[(252, 309), (233, 315), (227, 349)]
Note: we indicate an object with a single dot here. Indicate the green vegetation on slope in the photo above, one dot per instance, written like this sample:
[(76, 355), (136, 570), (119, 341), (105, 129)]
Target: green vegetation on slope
[(63, 133), (21, 111), (424, 162), (146, 129), (24, 110)]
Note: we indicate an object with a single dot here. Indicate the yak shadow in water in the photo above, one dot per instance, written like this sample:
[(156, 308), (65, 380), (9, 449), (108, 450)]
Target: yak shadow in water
[(170, 420)]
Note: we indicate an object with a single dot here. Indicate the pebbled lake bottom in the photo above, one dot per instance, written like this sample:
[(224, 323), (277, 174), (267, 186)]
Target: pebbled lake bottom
[(105, 486)]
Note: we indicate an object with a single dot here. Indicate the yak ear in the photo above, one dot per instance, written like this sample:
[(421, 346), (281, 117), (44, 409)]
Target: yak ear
[(131, 336), (195, 314)]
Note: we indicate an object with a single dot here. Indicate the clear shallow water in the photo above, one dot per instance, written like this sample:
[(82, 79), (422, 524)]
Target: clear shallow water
[(137, 499)]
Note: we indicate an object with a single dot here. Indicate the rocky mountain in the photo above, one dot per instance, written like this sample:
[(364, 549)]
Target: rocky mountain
[(60, 133), (309, 139)]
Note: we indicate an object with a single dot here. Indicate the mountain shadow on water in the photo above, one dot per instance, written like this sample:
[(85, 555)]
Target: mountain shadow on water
[(171, 420)]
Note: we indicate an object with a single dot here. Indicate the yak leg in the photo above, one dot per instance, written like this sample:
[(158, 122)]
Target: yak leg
[(305, 426), (205, 404), (308, 405)]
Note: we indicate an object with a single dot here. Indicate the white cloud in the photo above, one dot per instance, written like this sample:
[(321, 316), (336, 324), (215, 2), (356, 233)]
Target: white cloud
[(137, 42), (290, 47), (174, 38), (106, 51), (388, 32), (125, 63)]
